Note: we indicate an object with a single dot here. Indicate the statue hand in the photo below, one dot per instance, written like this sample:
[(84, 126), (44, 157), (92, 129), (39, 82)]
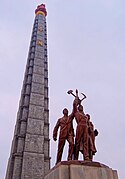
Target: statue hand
[(70, 91), (76, 91), (96, 132), (54, 138)]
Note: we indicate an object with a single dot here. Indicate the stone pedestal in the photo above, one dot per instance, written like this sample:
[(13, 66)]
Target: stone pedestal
[(81, 170)]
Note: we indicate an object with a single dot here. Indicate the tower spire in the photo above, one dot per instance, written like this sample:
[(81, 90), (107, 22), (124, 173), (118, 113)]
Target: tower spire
[(29, 157), (41, 9)]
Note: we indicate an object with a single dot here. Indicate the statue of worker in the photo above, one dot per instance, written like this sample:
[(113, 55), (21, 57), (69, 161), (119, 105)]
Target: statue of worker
[(66, 133)]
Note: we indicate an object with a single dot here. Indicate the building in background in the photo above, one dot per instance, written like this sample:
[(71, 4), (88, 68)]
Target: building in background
[(29, 157)]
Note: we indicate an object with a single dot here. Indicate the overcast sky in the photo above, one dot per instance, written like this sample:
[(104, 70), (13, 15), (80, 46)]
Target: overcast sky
[(86, 49)]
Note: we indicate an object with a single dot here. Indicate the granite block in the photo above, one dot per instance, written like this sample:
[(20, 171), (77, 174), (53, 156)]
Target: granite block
[(35, 126), (37, 99), (39, 61), (46, 116), (24, 113), (36, 112), (39, 49), (39, 54), (46, 166), (46, 148), (33, 166), (38, 78), (34, 143), (17, 167), (37, 88), (46, 131), (38, 70), (28, 89)]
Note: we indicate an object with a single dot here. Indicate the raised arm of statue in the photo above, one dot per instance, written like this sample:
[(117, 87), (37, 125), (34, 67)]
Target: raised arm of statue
[(76, 102), (84, 97), (55, 131)]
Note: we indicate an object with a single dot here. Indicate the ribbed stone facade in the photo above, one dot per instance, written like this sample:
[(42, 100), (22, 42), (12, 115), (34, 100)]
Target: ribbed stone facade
[(29, 157)]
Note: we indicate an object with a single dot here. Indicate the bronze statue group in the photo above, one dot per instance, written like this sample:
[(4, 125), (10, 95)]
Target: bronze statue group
[(85, 133)]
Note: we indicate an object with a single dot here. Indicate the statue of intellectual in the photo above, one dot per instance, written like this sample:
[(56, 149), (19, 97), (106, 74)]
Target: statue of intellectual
[(66, 133)]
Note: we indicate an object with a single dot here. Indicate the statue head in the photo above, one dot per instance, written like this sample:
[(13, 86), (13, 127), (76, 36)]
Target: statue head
[(80, 108), (88, 116), (65, 111)]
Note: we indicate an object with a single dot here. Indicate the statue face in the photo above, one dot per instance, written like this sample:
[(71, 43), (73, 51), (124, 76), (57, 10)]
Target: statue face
[(88, 116), (65, 111)]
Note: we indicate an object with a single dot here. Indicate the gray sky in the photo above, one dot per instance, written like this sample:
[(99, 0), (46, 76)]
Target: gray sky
[(86, 48)]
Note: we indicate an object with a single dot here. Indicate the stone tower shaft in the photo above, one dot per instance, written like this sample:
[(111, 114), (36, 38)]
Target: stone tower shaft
[(29, 157)]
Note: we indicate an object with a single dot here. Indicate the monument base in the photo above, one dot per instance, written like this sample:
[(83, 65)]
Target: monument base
[(81, 170)]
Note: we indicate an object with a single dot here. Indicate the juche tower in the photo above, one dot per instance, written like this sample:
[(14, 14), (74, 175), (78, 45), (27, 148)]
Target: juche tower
[(29, 157)]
